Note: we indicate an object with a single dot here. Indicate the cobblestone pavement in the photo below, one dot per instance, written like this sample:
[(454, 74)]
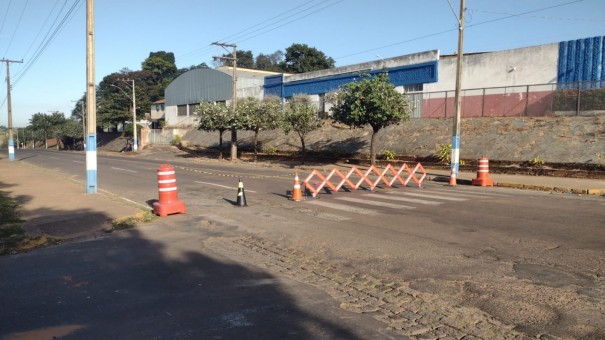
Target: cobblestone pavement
[(405, 311)]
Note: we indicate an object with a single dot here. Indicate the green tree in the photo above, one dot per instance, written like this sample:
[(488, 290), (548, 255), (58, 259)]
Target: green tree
[(70, 131), (371, 101), (215, 117), (161, 64), (259, 115), (300, 58), (269, 62), (301, 116), (245, 59), (48, 124)]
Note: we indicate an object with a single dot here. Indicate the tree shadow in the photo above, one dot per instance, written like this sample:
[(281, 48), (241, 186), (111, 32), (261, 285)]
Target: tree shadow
[(342, 148), (159, 282)]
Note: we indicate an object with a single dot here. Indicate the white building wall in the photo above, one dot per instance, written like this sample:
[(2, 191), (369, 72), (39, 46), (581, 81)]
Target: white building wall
[(522, 66)]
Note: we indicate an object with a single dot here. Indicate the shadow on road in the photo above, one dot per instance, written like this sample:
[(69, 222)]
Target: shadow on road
[(126, 286)]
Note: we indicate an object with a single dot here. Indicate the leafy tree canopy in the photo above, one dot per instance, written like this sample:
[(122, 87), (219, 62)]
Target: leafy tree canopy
[(300, 58), (371, 101), (161, 64), (301, 116), (245, 59)]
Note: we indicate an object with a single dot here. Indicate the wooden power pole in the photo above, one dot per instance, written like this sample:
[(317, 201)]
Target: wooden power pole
[(11, 142)]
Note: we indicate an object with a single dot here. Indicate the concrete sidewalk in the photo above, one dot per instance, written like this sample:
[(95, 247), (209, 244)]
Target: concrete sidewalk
[(543, 183), (57, 206)]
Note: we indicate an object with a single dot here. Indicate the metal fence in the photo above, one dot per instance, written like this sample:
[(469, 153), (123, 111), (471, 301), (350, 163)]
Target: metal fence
[(160, 137), (569, 99)]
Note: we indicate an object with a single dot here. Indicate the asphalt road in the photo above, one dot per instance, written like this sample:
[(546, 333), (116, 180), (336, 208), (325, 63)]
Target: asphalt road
[(433, 261)]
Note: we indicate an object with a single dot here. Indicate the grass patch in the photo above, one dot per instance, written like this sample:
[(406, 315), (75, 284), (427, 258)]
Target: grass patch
[(131, 221), (11, 231)]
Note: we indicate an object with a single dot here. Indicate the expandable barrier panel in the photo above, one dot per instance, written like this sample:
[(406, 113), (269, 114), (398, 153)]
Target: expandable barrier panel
[(388, 176)]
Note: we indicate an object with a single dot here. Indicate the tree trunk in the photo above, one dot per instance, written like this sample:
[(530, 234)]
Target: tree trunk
[(304, 149), (372, 144), (233, 144), (220, 144), (255, 146)]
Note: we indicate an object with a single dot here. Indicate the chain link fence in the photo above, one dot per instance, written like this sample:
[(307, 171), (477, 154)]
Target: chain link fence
[(569, 99)]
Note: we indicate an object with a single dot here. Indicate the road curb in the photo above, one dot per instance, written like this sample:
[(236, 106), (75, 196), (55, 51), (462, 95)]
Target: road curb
[(596, 192)]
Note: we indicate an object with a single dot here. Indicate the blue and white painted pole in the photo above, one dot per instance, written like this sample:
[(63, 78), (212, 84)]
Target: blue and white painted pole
[(455, 157), (91, 164), (11, 149)]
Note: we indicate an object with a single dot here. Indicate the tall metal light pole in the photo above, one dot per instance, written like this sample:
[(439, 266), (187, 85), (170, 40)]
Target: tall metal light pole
[(134, 115), (234, 95), (11, 143), (455, 157), (91, 102)]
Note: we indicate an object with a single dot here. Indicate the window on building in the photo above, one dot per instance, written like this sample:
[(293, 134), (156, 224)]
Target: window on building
[(192, 108), (181, 110), (412, 88)]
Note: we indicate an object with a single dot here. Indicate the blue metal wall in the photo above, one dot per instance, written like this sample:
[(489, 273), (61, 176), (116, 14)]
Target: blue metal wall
[(582, 61), (403, 75)]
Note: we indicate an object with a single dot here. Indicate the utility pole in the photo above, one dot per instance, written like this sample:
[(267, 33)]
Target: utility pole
[(234, 95), (91, 103), (134, 116), (83, 125), (455, 157), (11, 142)]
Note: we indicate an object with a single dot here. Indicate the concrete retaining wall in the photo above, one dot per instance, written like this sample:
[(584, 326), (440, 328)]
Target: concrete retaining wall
[(552, 139)]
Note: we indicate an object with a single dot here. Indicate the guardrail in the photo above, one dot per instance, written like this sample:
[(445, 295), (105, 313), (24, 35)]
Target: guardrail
[(371, 177)]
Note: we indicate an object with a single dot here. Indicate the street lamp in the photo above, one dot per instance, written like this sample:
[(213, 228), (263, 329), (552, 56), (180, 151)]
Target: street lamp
[(134, 112)]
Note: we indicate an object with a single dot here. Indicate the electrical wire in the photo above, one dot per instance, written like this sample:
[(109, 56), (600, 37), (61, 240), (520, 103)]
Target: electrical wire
[(5, 15), (268, 27), (58, 29), (209, 47), (450, 30), (16, 28)]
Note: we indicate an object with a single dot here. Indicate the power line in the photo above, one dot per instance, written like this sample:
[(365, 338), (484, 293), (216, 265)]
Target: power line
[(291, 21), (455, 29), (5, 15), (542, 17), (55, 33), (16, 27), (524, 13), (268, 27), (209, 47), (41, 28)]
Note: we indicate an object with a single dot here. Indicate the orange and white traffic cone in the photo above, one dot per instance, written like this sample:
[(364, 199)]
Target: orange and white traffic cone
[(453, 178), (296, 193)]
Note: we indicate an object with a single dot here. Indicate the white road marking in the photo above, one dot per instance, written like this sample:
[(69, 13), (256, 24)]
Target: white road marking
[(120, 169), (222, 186), (468, 193), (376, 203), (343, 207), (435, 196), (79, 162), (403, 199)]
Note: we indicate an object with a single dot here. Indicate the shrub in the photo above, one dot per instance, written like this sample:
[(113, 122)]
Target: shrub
[(387, 155), (444, 153), (176, 140), (270, 150)]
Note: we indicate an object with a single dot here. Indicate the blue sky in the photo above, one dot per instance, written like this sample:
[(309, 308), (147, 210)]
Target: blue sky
[(53, 73)]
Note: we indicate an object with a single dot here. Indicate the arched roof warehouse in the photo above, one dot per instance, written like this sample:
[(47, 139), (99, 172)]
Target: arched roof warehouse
[(199, 85)]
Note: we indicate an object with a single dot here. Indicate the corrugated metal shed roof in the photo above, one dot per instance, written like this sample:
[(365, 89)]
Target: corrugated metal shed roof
[(199, 85)]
